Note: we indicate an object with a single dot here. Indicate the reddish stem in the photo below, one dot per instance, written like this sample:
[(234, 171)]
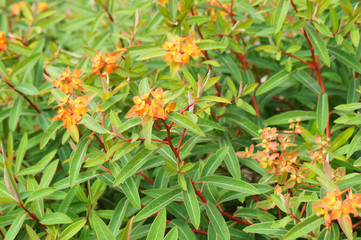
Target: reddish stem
[(170, 141), (26, 98), (147, 178), (234, 218), (108, 170), (183, 111), (101, 142), (32, 216), (181, 139), (297, 219), (299, 59)]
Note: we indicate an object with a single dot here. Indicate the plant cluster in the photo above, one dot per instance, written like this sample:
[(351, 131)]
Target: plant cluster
[(180, 119)]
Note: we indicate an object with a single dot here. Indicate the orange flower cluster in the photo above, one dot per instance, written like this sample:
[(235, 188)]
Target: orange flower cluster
[(71, 114), (179, 52), (277, 156), (103, 66), (319, 153), (68, 81), (3, 45), (16, 7), (213, 11), (333, 207), (152, 105)]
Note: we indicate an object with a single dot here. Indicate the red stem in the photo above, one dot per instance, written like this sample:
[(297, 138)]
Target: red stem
[(147, 178), (297, 219), (101, 142), (299, 59), (26, 98), (180, 141), (32, 216), (170, 141), (183, 111)]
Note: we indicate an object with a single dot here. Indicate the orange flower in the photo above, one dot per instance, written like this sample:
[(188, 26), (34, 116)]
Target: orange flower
[(68, 81), (163, 1), (75, 109), (226, 8), (16, 7), (42, 6), (152, 107), (105, 66), (3, 45), (180, 53)]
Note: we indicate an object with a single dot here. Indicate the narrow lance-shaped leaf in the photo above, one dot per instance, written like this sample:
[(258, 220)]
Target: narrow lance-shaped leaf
[(345, 58), (191, 203), (15, 227), (27, 63), (102, 231), (280, 15), (77, 160), (355, 141), (157, 229), (322, 112), (304, 227), (53, 127), (273, 82), (185, 122), (72, 230), (318, 44), (15, 113), (230, 184), (157, 204), (218, 222), (118, 215), (21, 152), (56, 218), (133, 165)]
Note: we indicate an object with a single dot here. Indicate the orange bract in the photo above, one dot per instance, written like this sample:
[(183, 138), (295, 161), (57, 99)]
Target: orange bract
[(333, 207), (68, 81), (3, 45), (213, 11), (151, 105), (42, 6), (103, 66), (71, 114), (16, 7), (179, 52)]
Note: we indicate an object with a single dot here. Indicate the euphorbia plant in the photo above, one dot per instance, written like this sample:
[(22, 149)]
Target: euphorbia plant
[(180, 119)]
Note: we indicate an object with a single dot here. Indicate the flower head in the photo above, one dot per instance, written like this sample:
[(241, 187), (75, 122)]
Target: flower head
[(16, 7), (150, 104), (3, 45), (103, 66), (179, 52), (70, 111), (68, 81)]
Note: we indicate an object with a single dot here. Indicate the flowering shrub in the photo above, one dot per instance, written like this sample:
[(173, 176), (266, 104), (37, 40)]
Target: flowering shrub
[(180, 119)]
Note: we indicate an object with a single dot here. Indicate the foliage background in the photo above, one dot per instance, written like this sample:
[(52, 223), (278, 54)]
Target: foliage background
[(262, 63)]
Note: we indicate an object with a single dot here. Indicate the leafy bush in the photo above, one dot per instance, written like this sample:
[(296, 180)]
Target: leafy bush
[(180, 119)]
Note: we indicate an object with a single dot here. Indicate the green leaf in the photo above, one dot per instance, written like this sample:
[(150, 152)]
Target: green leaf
[(318, 44), (308, 81), (133, 166), (27, 88), (342, 138), (129, 124), (32, 234), (280, 15), (27, 63), (213, 99), (304, 227), (147, 129), (345, 58), (264, 228), (273, 82), (172, 234), (246, 124), (213, 162), (41, 193), (78, 159), (15, 113), (231, 160), (102, 231), (92, 125), (348, 107), (157, 204), (185, 122), (283, 118), (72, 229), (118, 216), (157, 230), (56, 218), (15, 227), (354, 143), (322, 112), (350, 182), (191, 203), (230, 184), (151, 54), (20, 153), (53, 127), (218, 222)]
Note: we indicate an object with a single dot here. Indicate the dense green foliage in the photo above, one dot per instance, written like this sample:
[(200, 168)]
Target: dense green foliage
[(180, 119)]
